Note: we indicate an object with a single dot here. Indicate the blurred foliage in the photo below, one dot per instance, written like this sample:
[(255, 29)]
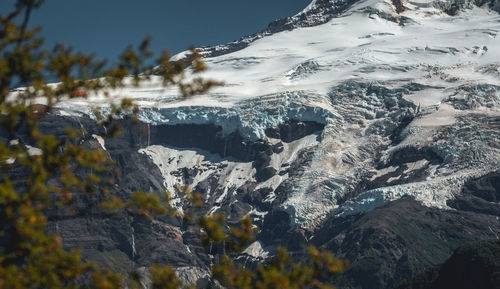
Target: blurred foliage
[(30, 257), (281, 272)]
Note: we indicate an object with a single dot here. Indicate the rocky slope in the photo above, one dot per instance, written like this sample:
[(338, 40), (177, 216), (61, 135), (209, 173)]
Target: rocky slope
[(474, 265), (369, 127)]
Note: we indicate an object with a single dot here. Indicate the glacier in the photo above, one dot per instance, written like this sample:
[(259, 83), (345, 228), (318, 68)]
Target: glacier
[(382, 83)]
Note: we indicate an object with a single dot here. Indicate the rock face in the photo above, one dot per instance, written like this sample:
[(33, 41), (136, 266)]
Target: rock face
[(474, 265), (480, 195), (368, 127), (400, 239)]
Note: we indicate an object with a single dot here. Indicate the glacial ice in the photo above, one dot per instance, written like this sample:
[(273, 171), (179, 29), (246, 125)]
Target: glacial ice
[(379, 81)]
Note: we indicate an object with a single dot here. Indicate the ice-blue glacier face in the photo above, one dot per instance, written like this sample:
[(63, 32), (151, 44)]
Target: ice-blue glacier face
[(250, 118)]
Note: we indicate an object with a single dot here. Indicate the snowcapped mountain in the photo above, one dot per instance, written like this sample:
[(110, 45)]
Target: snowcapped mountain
[(329, 122)]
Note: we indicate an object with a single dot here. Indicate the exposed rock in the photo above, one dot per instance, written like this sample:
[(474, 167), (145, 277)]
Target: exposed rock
[(481, 195), (293, 130), (474, 265), (399, 240)]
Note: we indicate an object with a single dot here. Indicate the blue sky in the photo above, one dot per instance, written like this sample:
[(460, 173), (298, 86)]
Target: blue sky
[(105, 27)]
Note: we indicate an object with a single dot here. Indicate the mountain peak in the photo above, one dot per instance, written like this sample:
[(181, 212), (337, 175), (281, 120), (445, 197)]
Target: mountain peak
[(321, 11), (368, 127)]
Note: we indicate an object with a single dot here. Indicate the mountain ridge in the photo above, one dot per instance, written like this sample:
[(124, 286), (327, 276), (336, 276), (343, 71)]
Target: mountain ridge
[(369, 132), (321, 11)]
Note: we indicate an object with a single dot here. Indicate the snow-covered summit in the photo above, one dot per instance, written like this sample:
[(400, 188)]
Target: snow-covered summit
[(321, 11), (407, 93)]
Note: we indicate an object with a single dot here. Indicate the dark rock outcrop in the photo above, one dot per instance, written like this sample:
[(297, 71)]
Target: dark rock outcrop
[(294, 130), (480, 195), (474, 265), (399, 240)]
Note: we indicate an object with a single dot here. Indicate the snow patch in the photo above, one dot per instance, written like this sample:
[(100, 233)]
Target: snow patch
[(445, 115), (33, 151), (256, 250), (172, 161), (100, 140)]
